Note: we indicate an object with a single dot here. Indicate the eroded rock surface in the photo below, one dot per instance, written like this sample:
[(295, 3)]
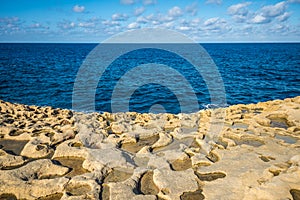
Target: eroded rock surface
[(239, 152)]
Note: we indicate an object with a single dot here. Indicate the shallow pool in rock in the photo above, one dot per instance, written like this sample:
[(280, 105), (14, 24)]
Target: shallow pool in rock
[(279, 123), (286, 138), (14, 147), (142, 142), (118, 175), (250, 142), (74, 163)]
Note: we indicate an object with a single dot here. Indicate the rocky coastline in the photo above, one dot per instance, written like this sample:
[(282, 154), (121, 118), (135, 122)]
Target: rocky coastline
[(239, 152)]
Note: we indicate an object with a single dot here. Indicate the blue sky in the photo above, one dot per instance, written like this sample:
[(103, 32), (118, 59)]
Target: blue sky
[(202, 20)]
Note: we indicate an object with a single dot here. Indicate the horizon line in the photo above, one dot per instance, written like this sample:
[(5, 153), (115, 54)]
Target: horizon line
[(94, 42)]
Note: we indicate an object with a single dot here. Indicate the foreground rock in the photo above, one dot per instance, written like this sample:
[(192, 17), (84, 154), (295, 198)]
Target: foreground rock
[(240, 152)]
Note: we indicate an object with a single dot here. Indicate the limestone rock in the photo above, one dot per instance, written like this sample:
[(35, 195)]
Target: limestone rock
[(170, 183), (239, 152), (8, 160)]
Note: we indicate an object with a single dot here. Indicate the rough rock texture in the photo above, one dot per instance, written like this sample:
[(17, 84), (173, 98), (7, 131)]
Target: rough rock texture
[(239, 152)]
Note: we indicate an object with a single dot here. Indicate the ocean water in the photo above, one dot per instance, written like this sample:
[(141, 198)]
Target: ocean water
[(44, 74)]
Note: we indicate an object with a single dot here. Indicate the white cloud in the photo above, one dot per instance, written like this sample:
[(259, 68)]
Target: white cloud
[(260, 19), (111, 23), (184, 28), (149, 2), (86, 24), (139, 11), (240, 13), (270, 12), (240, 18), (175, 12), (214, 2), (239, 9), (280, 28), (274, 10), (127, 2), (156, 19), (133, 25), (35, 25), (185, 19), (211, 21), (78, 8), (195, 22), (283, 17), (66, 25), (119, 17), (192, 9), (142, 19), (110, 30), (216, 25), (72, 24), (38, 26), (9, 25), (168, 25), (164, 18)]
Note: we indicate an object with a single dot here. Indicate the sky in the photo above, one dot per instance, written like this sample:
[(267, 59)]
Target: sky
[(97, 20)]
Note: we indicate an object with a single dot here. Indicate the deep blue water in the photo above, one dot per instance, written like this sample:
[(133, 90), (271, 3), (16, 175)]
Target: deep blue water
[(44, 74)]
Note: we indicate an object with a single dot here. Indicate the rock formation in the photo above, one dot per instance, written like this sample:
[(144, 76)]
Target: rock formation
[(239, 152)]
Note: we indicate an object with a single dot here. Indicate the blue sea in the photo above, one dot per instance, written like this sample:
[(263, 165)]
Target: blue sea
[(44, 74)]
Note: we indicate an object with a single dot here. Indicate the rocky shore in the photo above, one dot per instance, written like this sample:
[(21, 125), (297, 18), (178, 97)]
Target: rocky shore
[(239, 152)]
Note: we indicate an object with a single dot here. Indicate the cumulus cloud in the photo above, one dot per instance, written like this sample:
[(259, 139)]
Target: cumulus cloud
[(10, 25), (78, 8), (38, 26), (184, 28), (211, 21), (270, 12), (119, 17), (239, 12), (260, 19), (14, 26), (139, 11), (239, 9), (153, 19), (142, 19), (133, 25), (192, 8), (35, 25), (86, 24), (156, 19), (175, 12), (195, 22), (110, 30), (111, 23), (283, 17), (66, 25), (214, 2), (267, 19), (127, 2), (216, 24), (280, 28), (274, 10), (266, 14), (10, 21)]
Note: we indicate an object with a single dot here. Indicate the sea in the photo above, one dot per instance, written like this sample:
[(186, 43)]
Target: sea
[(44, 74)]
